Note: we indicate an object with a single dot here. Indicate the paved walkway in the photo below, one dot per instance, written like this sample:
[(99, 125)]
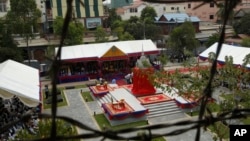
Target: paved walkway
[(79, 110)]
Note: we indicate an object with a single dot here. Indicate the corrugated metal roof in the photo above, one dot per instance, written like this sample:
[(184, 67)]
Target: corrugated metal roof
[(179, 17)]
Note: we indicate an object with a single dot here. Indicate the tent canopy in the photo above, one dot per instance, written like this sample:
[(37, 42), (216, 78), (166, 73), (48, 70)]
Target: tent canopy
[(98, 50), (238, 53), (20, 80)]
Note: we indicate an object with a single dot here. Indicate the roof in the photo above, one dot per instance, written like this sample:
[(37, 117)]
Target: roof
[(20, 80), (98, 50), (179, 18), (241, 12), (238, 53)]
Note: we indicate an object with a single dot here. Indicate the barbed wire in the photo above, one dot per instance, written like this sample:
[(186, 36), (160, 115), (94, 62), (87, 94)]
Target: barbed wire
[(144, 132)]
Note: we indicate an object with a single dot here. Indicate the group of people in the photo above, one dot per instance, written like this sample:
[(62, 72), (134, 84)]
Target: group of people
[(12, 110)]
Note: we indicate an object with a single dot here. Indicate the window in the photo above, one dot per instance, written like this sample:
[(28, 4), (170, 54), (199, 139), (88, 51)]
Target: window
[(164, 8), (189, 5), (3, 6), (133, 10), (211, 17), (172, 8), (211, 4)]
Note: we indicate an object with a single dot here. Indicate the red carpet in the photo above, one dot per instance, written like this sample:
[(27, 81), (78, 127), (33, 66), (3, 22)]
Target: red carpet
[(153, 98), (121, 82), (126, 109)]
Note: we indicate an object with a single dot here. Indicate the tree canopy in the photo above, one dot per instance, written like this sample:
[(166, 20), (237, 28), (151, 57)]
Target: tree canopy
[(74, 34), (100, 35), (23, 17), (212, 39), (182, 39), (245, 42), (242, 26), (112, 17), (148, 14)]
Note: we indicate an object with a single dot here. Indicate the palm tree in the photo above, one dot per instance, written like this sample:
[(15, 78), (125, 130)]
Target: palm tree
[(221, 14)]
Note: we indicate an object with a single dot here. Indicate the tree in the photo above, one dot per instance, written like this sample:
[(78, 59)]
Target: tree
[(63, 129), (22, 19), (101, 35), (113, 17), (242, 26), (10, 53), (221, 14), (125, 37), (152, 32), (74, 34), (134, 27), (148, 14), (182, 38), (245, 42), (212, 39), (8, 47), (6, 39)]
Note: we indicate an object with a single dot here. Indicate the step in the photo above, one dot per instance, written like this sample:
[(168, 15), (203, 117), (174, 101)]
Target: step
[(163, 111), (105, 99), (101, 100), (163, 108), (163, 114), (160, 105)]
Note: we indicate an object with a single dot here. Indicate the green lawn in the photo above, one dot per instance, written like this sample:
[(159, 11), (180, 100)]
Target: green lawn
[(220, 130), (214, 107), (104, 124), (246, 120), (80, 86), (59, 104), (87, 96)]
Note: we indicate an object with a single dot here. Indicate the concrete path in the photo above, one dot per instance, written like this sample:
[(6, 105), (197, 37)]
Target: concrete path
[(79, 110)]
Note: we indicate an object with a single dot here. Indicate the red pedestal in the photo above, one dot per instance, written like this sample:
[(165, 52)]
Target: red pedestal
[(141, 83)]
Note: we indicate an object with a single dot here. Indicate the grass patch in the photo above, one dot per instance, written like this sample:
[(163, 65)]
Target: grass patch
[(246, 121), (80, 86), (221, 130), (59, 104), (104, 123), (87, 96), (214, 107)]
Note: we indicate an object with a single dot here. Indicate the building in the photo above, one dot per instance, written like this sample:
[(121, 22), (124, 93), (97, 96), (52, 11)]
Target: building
[(117, 3), (4, 7), (110, 60), (132, 10), (208, 12), (240, 13), (171, 20), (138, 5), (90, 15)]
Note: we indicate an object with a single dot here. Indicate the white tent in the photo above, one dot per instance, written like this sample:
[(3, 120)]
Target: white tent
[(238, 53), (99, 49), (20, 80)]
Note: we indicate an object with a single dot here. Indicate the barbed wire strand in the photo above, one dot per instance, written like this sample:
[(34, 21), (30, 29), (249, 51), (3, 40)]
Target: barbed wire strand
[(202, 121)]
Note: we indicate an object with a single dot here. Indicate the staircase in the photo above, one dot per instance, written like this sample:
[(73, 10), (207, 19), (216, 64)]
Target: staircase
[(105, 99), (162, 109), (155, 109)]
